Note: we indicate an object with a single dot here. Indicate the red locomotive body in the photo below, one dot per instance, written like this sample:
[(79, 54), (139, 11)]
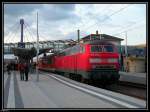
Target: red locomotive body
[(95, 60), (46, 63)]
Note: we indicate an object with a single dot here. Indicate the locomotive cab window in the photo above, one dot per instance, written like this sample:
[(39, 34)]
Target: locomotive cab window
[(82, 49), (50, 60), (96, 48), (108, 48)]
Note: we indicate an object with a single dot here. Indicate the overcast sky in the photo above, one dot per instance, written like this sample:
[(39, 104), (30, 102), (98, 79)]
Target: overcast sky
[(61, 21)]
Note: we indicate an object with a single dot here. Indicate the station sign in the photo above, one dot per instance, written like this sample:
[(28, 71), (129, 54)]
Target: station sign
[(21, 45)]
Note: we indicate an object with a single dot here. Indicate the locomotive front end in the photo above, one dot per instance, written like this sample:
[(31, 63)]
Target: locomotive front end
[(103, 63)]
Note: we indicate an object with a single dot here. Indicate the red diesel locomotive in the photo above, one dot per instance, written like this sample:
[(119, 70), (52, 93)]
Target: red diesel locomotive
[(95, 60)]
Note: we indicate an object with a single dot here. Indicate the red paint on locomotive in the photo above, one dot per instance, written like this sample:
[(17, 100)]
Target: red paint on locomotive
[(93, 60)]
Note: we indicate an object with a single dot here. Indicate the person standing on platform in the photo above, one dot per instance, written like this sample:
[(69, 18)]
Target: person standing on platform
[(26, 71), (122, 62), (22, 70), (8, 69)]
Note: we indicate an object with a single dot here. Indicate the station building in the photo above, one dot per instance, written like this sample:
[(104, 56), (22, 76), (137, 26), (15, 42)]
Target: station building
[(135, 64)]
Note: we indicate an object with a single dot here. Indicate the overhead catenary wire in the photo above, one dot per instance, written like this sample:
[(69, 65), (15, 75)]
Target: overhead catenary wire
[(130, 29), (108, 8), (104, 9), (130, 25), (115, 12)]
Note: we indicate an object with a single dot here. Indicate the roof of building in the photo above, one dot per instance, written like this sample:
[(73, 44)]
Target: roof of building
[(43, 42), (103, 36)]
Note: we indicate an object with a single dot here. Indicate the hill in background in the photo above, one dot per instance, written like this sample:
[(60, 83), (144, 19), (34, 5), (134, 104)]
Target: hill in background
[(136, 50)]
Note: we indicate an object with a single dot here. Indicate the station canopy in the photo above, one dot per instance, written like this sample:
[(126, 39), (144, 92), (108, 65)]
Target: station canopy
[(9, 56)]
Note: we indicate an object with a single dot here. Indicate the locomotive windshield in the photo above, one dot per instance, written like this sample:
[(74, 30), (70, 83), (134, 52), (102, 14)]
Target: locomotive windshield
[(96, 48), (102, 48), (108, 48)]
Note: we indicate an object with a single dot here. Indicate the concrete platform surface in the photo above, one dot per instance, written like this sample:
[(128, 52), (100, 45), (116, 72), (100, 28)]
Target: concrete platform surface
[(54, 91), (139, 78)]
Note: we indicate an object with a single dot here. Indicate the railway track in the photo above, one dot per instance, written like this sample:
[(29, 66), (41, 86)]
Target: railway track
[(124, 83), (130, 89), (126, 88)]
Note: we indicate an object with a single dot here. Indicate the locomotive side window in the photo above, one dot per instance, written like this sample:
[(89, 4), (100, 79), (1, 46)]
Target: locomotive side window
[(77, 49), (49, 61), (74, 50), (44, 60), (82, 49), (67, 52), (108, 48), (96, 48)]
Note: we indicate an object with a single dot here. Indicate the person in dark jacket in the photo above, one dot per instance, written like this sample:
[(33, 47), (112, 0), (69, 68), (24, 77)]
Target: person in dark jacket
[(122, 63), (8, 69), (26, 71), (21, 69)]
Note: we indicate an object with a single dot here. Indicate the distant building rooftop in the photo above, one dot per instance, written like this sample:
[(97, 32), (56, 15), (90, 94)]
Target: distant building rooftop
[(9, 56)]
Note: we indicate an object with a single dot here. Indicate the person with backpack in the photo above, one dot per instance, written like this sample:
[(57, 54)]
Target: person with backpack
[(21, 69)]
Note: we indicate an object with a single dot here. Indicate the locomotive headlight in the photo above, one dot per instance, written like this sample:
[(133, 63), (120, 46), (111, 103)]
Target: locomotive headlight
[(95, 60), (112, 60)]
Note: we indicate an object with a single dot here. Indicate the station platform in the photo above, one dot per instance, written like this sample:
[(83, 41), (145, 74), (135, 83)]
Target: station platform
[(53, 91), (138, 78)]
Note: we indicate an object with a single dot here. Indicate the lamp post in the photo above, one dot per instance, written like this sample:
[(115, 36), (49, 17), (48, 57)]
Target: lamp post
[(78, 32), (126, 52), (37, 45), (126, 44)]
